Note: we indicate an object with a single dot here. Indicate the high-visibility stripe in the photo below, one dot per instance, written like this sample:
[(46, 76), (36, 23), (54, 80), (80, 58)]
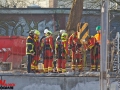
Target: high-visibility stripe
[(73, 65), (29, 43), (63, 70), (50, 68), (59, 69)]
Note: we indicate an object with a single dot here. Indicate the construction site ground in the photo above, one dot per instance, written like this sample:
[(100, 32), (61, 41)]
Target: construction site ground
[(85, 72), (84, 80)]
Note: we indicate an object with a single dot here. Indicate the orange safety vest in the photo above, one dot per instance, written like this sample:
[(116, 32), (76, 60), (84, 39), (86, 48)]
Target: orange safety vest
[(98, 37)]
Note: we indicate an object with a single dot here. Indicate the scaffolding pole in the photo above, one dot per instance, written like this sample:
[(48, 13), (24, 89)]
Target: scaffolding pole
[(103, 46)]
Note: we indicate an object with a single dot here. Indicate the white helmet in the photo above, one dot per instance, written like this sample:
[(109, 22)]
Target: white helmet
[(46, 31), (62, 31)]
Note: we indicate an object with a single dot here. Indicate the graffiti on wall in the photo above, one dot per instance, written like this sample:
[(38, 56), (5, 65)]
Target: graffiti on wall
[(22, 27)]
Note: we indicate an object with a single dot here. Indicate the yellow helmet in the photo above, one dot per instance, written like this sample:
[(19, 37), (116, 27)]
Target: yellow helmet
[(64, 36), (50, 32), (37, 32)]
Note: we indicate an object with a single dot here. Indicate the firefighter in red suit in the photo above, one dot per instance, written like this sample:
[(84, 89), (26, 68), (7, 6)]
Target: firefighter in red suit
[(61, 51), (92, 49), (47, 47), (34, 64), (98, 38), (75, 45), (94, 46), (52, 51)]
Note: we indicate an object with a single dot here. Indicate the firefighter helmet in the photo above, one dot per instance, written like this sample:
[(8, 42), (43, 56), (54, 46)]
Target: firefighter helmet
[(45, 31), (37, 32), (98, 28), (48, 33), (62, 31), (64, 36), (31, 32)]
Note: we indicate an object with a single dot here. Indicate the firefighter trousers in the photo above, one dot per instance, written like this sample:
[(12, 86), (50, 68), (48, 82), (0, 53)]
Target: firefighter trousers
[(34, 64), (95, 58), (30, 57), (61, 67), (48, 61), (77, 61)]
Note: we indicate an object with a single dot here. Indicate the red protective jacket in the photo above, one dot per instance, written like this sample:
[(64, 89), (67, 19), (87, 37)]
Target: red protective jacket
[(47, 43), (91, 42), (73, 42), (61, 47), (37, 47)]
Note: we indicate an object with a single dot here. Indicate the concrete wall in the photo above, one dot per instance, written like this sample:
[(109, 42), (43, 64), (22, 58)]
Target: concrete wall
[(20, 24), (37, 82), (20, 21)]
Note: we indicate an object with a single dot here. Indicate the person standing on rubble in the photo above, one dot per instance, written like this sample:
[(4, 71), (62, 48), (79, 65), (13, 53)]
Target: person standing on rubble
[(30, 49), (36, 57), (61, 52), (75, 45), (47, 47)]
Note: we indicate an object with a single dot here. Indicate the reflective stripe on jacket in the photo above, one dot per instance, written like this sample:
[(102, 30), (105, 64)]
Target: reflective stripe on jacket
[(29, 45)]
